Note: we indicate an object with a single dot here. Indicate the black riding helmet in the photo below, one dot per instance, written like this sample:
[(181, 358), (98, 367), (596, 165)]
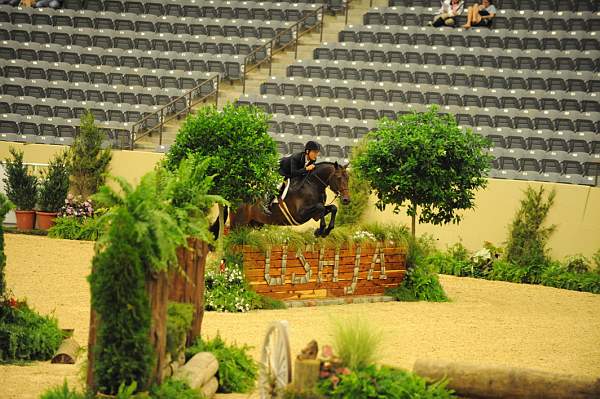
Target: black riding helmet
[(312, 145)]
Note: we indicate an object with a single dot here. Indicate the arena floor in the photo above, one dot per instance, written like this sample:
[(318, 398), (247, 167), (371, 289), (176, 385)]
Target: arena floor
[(486, 322)]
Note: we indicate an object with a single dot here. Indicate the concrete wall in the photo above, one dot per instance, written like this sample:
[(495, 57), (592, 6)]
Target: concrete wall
[(576, 212)]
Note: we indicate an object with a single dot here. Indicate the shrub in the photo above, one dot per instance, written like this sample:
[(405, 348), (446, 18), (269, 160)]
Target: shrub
[(5, 206), (265, 302), (21, 186), (55, 185), (421, 283), (596, 260), (527, 238), (119, 297), (503, 270), (71, 228), (174, 389), (559, 277), (227, 290), (62, 392), (88, 162), (447, 264), (577, 264), (25, 335), (356, 342), (237, 370), (383, 382), (290, 393), (179, 322)]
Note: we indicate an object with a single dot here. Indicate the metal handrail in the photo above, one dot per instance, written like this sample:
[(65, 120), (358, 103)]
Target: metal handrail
[(271, 48), (138, 129)]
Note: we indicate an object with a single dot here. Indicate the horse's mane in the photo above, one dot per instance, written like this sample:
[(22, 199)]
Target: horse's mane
[(328, 163)]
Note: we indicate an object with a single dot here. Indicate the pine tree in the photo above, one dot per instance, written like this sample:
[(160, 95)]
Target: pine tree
[(88, 162)]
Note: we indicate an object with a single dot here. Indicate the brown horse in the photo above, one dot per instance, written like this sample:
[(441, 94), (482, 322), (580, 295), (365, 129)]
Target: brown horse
[(304, 201)]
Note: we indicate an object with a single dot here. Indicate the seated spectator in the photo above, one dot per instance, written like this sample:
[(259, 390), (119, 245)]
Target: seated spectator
[(49, 3), (448, 12), (480, 14)]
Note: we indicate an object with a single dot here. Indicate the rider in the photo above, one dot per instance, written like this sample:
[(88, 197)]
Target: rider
[(297, 165)]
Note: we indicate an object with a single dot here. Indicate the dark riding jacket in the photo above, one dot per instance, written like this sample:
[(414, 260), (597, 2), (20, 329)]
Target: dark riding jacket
[(294, 165)]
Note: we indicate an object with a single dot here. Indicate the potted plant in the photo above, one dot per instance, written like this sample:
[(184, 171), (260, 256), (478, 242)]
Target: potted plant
[(52, 191), (21, 189)]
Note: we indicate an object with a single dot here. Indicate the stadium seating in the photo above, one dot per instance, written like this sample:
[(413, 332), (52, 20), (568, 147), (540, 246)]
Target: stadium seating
[(123, 60), (530, 84)]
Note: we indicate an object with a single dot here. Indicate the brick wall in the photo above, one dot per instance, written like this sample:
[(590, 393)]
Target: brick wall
[(315, 272)]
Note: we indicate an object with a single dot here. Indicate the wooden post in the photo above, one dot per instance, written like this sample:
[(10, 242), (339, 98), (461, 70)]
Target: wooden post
[(187, 284), (158, 293), (90, 352), (306, 374)]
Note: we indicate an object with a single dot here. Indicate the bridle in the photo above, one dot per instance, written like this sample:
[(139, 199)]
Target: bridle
[(326, 184)]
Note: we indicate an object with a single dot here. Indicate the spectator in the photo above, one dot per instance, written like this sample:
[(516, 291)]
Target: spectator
[(480, 14), (49, 3), (447, 13)]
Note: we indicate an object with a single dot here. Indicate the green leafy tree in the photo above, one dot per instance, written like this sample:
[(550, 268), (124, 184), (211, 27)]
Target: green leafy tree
[(55, 184), (21, 186), (527, 236), (5, 206), (360, 189), (244, 158), (426, 161), (88, 162)]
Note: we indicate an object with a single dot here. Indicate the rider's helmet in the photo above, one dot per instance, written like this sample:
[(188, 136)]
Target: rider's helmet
[(312, 145)]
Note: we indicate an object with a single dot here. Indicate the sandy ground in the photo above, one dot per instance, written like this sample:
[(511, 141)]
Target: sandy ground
[(486, 322)]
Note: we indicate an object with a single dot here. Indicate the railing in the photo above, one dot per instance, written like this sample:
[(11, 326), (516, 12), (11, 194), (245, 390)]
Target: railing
[(169, 111), (271, 47)]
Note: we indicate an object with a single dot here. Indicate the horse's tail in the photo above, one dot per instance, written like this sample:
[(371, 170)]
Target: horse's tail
[(214, 229)]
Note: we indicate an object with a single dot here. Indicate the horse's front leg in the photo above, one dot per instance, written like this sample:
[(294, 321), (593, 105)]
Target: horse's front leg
[(333, 210)]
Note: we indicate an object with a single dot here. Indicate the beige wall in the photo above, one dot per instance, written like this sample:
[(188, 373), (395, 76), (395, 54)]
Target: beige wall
[(576, 212)]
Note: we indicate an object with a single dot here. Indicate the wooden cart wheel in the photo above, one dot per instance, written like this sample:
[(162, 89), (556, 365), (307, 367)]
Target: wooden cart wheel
[(276, 361)]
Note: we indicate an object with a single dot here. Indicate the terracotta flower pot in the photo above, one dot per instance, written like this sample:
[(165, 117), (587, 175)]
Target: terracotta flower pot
[(45, 220), (25, 220)]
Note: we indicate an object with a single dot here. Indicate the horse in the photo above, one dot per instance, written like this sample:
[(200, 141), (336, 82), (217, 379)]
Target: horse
[(304, 201)]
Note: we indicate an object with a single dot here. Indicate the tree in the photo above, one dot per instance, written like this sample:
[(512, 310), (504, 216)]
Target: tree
[(360, 189), (5, 206), (427, 161), (88, 162), (527, 237), (244, 158), (55, 185), (21, 186)]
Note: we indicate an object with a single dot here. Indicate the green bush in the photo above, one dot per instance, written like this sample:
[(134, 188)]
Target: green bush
[(528, 237), (596, 259), (21, 186), (25, 335), (383, 382), (577, 264), (228, 291), (503, 270), (559, 277), (119, 296), (73, 228), (421, 283), (5, 206), (353, 212), (268, 303), (62, 392), (237, 370), (88, 162), (54, 186), (356, 342), (447, 264), (179, 322), (290, 393), (174, 389)]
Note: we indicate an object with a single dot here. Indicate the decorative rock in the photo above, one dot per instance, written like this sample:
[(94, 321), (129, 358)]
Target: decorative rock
[(310, 352), (210, 388), (199, 370), (477, 381)]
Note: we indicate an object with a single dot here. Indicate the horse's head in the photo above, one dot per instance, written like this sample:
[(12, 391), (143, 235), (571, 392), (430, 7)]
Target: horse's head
[(339, 183)]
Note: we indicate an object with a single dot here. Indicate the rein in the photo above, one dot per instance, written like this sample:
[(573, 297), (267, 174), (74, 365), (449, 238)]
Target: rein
[(325, 185)]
